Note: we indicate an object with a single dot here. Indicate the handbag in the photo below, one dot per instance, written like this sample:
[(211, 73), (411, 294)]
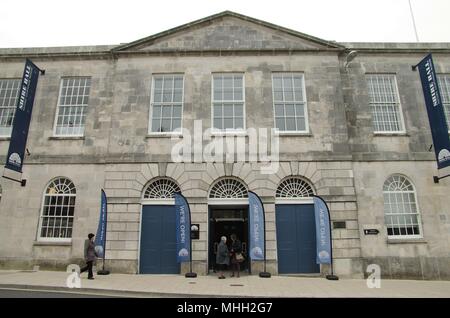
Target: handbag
[(239, 257)]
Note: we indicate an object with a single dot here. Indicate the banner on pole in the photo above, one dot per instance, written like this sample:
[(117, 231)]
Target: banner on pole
[(22, 117), (183, 228), (257, 232), (323, 242), (435, 109), (100, 238)]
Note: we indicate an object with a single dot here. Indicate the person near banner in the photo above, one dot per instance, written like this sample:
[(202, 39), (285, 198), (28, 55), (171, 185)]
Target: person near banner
[(236, 255), (222, 257), (89, 255)]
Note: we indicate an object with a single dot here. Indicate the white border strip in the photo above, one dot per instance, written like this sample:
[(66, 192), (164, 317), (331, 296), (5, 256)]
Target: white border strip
[(228, 201), (158, 201), (308, 200)]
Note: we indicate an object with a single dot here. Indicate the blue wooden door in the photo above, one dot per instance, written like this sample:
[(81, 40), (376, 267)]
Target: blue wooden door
[(296, 239), (158, 240)]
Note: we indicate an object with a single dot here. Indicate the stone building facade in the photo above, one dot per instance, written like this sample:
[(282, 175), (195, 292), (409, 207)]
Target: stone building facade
[(372, 177)]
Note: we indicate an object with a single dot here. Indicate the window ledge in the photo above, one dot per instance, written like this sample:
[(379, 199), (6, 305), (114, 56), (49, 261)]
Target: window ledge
[(4, 138), (52, 243), (387, 134), (293, 134), (164, 135), (406, 241), (237, 133), (66, 138)]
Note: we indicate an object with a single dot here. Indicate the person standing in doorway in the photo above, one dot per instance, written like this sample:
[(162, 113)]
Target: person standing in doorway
[(222, 257), (89, 255), (236, 255)]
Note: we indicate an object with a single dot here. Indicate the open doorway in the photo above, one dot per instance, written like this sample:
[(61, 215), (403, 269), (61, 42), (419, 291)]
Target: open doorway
[(224, 221)]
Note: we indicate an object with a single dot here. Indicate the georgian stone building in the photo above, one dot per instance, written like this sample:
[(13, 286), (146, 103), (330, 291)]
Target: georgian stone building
[(352, 129)]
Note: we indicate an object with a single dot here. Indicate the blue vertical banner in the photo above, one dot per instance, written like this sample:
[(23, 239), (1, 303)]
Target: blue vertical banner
[(323, 234), (183, 228), (435, 109), (256, 223), (100, 238), (22, 118)]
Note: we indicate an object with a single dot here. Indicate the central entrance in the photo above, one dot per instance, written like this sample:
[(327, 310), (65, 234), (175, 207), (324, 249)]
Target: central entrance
[(224, 221), (227, 215)]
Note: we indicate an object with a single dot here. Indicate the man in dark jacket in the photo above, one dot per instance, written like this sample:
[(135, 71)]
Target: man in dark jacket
[(89, 255), (236, 255)]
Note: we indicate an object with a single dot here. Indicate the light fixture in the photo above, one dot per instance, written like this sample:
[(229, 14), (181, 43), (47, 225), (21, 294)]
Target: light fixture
[(350, 57)]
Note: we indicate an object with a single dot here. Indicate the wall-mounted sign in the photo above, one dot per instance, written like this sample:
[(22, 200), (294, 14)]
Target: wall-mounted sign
[(371, 232), (195, 231)]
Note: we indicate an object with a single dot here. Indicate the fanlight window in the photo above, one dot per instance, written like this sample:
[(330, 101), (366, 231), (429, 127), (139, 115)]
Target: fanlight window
[(294, 188), (61, 186), (401, 212), (161, 189), (397, 183), (58, 210), (228, 189)]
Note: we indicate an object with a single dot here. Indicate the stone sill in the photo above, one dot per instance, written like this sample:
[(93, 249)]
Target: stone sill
[(66, 138), (406, 241), (49, 243), (5, 138), (293, 134), (231, 133), (164, 136), (399, 134)]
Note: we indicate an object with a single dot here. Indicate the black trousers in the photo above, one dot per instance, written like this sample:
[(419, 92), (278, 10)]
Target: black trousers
[(88, 267)]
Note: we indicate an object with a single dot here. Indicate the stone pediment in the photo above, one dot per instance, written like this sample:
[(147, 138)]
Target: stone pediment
[(228, 31)]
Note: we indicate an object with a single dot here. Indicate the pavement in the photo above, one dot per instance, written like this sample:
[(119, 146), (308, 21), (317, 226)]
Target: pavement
[(27, 293), (209, 286)]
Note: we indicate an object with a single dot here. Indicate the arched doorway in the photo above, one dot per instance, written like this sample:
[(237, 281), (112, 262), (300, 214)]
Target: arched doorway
[(296, 229), (228, 214), (157, 246)]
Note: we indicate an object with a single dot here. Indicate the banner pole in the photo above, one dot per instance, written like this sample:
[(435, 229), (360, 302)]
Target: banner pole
[(332, 276), (22, 182), (436, 178), (264, 274), (106, 231), (190, 240), (413, 21)]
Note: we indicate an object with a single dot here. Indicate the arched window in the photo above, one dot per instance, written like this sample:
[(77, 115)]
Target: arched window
[(58, 210), (294, 187), (401, 212), (228, 188), (162, 188)]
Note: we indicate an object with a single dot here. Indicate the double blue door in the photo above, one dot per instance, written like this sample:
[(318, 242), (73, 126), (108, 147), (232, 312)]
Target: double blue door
[(158, 240), (296, 239)]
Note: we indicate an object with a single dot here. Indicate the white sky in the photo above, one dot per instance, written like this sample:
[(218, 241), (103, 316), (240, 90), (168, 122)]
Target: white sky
[(30, 23)]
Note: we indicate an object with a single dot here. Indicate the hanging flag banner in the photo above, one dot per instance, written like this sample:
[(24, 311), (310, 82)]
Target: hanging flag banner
[(257, 232), (323, 241), (22, 118), (436, 115), (183, 228), (100, 238)]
